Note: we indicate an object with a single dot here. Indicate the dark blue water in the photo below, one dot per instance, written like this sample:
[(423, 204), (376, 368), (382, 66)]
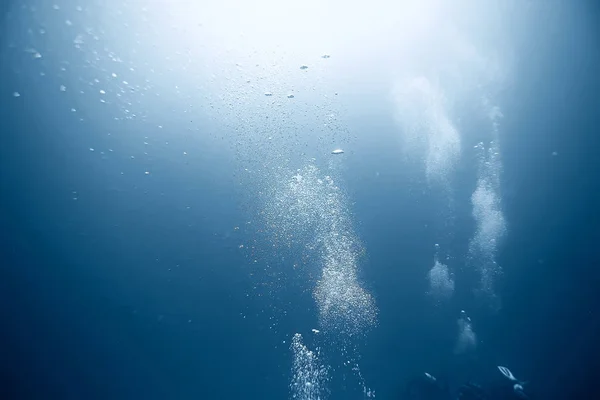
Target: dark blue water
[(116, 284)]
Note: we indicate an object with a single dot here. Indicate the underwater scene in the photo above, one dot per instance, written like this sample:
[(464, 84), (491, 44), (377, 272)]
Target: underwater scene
[(305, 200)]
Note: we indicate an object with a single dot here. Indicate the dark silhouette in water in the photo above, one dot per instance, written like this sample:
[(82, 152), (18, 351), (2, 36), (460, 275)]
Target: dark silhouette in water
[(427, 387)]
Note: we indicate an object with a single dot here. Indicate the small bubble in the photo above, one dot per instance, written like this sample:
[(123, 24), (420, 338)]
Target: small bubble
[(63, 88), (268, 94), (290, 96), (304, 67), (16, 94), (91, 149), (147, 172)]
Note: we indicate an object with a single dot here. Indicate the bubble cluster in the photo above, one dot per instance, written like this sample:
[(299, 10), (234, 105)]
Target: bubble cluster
[(309, 376), (489, 218), (311, 209), (427, 130), (467, 339), (441, 284)]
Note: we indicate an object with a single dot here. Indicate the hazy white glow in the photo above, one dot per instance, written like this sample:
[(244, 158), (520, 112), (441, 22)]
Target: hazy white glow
[(300, 27)]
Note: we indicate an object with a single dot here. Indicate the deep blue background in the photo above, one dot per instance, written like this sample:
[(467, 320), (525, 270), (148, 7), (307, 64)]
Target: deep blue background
[(96, 294)]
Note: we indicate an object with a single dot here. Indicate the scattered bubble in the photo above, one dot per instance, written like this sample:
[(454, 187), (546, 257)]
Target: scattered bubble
[(268, 94), (304, 67), (325, 56), (290, 96)]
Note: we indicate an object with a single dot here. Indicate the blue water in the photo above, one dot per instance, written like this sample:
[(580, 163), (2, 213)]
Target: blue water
[(120, 284)]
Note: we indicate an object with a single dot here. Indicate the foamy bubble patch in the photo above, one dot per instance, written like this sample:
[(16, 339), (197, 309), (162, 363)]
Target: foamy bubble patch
[(441, 284)]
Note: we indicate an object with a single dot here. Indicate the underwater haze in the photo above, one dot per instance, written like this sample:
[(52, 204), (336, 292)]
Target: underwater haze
[(301, 200)]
